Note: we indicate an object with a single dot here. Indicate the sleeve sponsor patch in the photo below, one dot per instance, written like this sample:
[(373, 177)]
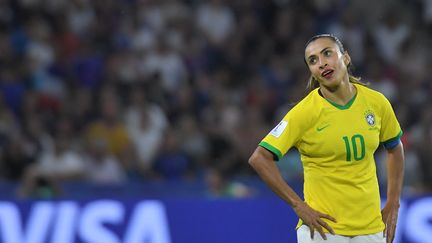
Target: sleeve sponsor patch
[(278, 130)]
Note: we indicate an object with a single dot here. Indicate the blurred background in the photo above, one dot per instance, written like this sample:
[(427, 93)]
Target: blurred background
[(166, 99)]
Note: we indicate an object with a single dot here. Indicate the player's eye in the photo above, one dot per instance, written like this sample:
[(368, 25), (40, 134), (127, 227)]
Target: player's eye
[(312, 60), (327, 53)]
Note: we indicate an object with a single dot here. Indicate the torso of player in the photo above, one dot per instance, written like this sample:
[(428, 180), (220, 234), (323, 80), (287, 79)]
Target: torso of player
[(337, 151), (337, 146), (340, 137)]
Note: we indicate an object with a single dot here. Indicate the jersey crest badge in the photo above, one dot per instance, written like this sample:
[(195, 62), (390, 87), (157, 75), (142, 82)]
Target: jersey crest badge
[(370, 118)]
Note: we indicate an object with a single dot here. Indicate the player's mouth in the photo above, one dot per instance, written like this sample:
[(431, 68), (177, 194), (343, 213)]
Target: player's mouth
[(327, 74)]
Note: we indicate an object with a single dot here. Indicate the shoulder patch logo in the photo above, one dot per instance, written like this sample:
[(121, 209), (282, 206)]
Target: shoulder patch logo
[(370, 118), (278, 130)]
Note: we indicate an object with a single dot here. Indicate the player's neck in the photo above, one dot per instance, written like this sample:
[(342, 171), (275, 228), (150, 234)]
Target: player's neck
[(341, 95)]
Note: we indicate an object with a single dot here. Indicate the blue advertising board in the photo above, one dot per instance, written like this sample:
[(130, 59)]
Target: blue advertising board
[(175, 221)]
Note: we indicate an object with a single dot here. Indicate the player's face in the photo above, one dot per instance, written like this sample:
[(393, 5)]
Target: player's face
[(326, 62)]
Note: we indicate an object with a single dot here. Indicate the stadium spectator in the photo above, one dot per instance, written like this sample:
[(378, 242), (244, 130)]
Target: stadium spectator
[(422, 139), (101, 167), (62, 162), (146, 124), (389, 35), (219, 186), (172, 163), (109, 127)]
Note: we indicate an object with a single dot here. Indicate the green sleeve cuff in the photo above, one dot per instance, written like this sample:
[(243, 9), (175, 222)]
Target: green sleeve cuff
[(272, 149)]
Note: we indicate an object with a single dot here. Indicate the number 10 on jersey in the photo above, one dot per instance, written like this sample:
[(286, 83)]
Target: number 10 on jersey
[(353, 145)]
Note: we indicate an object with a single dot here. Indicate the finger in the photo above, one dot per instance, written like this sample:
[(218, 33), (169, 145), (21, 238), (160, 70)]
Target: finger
[(327, 217), (326, 226), (389, 238), (320, 231), (312, 231), (390, 233)]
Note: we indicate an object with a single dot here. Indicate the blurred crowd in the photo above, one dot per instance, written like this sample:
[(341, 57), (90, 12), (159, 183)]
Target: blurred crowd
[(110, 91)]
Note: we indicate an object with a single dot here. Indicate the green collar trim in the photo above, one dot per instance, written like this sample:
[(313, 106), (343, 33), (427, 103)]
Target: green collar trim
[(343, 107)]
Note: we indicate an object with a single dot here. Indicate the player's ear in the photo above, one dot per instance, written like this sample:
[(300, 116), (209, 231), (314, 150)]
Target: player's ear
[(346, 58)]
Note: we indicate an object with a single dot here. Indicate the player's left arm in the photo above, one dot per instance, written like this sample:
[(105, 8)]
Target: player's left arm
[(395, 174)]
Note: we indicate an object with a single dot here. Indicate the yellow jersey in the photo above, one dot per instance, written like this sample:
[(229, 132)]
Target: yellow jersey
[(337, 145)]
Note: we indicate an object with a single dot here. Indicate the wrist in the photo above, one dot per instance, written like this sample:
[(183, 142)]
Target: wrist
[(393, 202), (295, 204)]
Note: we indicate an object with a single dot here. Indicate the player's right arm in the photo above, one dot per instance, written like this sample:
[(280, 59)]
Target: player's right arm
[(263, 163)]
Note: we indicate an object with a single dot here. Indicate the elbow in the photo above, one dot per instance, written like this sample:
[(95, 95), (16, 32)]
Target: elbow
[(259, 157), (253, 159)]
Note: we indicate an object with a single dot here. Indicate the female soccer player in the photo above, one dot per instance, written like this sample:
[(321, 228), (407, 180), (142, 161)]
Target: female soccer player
[(337, 128)]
